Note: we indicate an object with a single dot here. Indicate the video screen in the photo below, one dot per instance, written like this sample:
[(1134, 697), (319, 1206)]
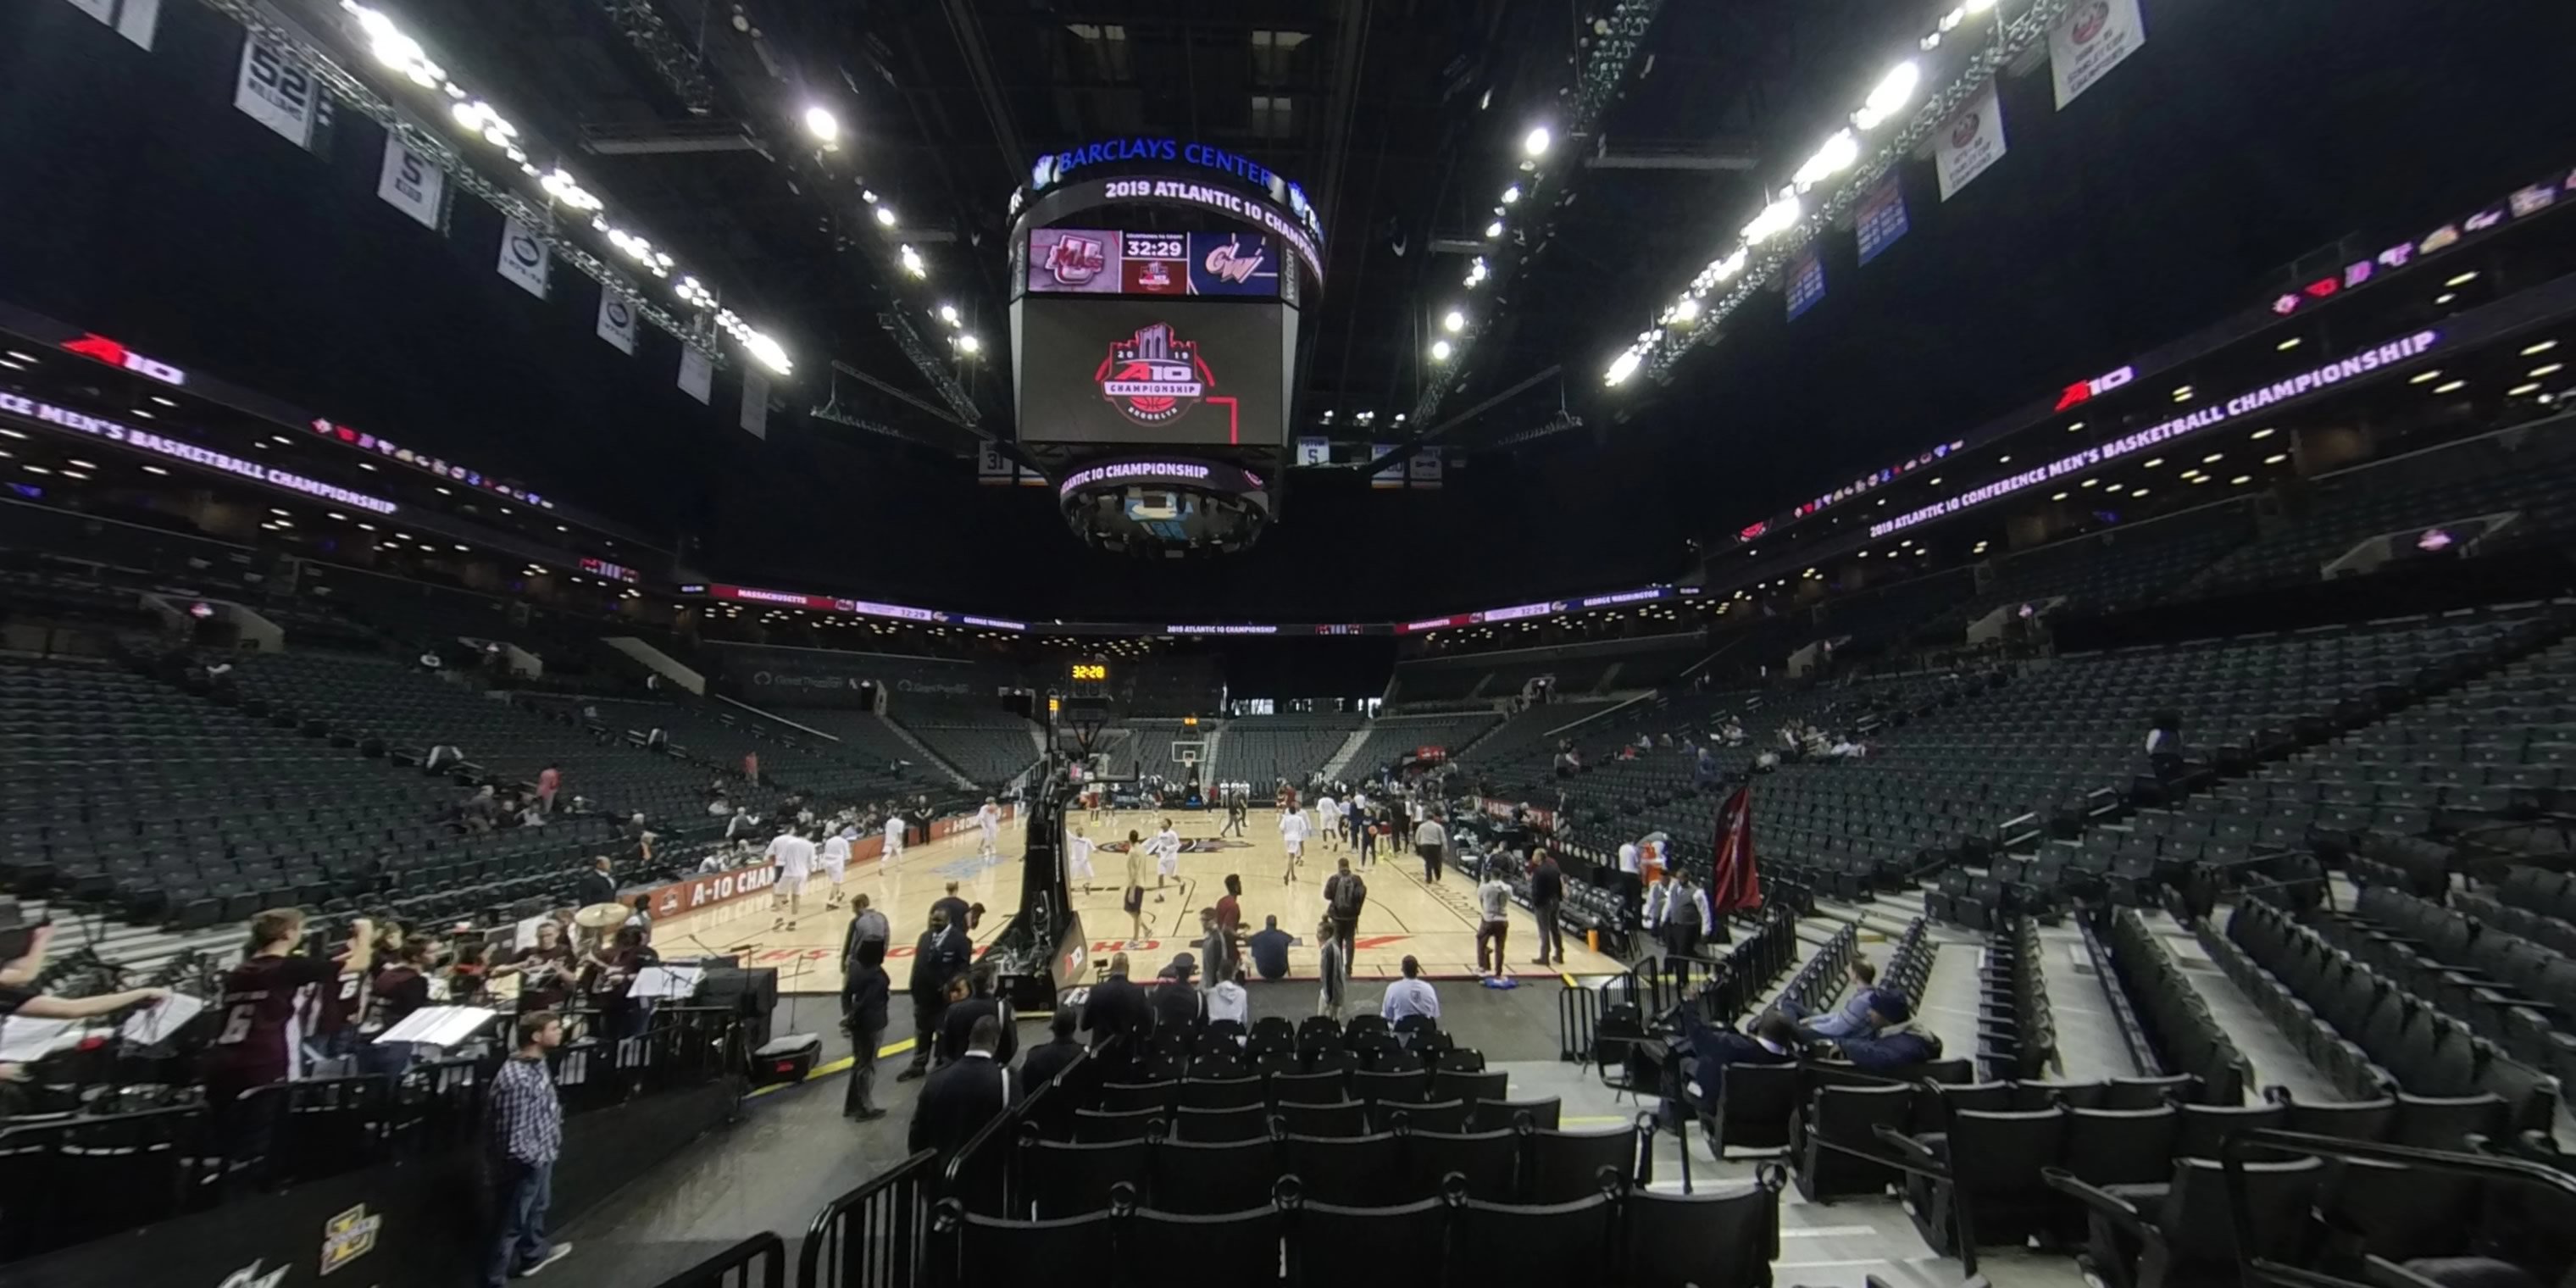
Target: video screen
[(1152, 372), (1101, 261)]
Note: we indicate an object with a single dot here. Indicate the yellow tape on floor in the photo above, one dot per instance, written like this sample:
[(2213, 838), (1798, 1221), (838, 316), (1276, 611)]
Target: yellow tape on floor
[(841, 1065)]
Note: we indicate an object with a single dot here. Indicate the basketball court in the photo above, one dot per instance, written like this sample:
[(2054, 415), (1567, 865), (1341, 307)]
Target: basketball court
[(1404, 916)]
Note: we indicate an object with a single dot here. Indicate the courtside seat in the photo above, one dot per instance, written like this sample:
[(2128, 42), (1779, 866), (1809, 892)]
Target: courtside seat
[(1990, 1163), (1564, 1166), (1210, 1178), (1846, 1116), (1349, 1118), (1353, 1171), (1340, 1246), (2180, 1234), (1489, 1160), (1726, 1240), (1068, 1179), (1549, 1243)]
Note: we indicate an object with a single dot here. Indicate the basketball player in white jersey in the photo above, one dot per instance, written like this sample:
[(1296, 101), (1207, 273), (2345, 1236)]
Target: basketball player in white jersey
[(1292, 834), (988, 820), (1328, 820), (836, 862), (893, 847), (1077, 860), (1167, 863), (793, 856)]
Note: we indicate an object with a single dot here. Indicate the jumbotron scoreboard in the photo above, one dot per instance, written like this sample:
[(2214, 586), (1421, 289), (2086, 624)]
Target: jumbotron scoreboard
[(1152, 366)]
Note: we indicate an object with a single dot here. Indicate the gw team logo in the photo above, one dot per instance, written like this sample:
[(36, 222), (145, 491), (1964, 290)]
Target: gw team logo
[(1153, 376), (1964, 131)]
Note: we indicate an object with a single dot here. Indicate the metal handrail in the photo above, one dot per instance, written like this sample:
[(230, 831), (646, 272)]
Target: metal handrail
[(824, 1235)]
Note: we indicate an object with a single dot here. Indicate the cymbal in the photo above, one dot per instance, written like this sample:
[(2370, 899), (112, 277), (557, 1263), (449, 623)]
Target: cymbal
[(602, 916)]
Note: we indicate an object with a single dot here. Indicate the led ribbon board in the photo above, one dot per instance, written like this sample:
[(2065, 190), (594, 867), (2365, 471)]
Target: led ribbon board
[(161, 445), (2247, 403)]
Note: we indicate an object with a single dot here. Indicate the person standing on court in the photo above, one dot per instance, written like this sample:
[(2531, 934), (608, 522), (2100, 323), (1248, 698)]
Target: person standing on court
[(938, 957), (954, 906), (1493, 904), (1333, 1001), (865, 924), (1135, 900), (1547, 900), (1345, 897), (1429, 839), (864, 998), (524, 1129)]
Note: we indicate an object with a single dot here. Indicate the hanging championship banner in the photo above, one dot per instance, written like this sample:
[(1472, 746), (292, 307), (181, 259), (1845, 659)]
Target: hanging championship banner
[(2095, 37), (1423, 470), (1880, 217), (992, 468), (524, 257), (1314, 451), (1806, 281), (617, 320), (1393, 474), (412, 183), (1968, 143), (277, 92), (755, 404), (697, 375), (133, 19)]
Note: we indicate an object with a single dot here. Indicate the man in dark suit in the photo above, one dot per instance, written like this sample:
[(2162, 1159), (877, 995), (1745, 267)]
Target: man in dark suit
[(1118, 1009), (1049, 1058), (595, 886), (938, 958), (963, 1096), (959, 1022), (863, 1010)]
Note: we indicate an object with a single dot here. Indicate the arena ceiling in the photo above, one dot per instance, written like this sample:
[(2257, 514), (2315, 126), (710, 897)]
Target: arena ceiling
[(2242, 137)]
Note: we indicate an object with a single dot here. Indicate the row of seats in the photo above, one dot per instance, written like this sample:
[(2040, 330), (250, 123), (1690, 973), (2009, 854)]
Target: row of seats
[(2173, 1017), (2016, 1029), (2373, 1039), (2512, 991)]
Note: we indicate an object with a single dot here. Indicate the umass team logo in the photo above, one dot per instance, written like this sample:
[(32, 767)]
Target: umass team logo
[(1189, 845), (1153, 376)]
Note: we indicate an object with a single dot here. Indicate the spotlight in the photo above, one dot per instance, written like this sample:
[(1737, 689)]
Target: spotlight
[(968, 344), (1454, 323), (1535, 143), (1440, 351), (825, 127)]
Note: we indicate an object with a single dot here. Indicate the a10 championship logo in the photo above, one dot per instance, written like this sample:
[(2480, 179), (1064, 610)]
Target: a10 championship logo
[(1153, 376)]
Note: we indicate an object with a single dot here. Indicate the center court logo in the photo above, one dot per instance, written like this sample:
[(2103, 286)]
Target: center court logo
[(1189, 845), (1153, 376)]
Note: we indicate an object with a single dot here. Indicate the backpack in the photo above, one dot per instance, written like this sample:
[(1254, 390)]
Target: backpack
[(1349, 895)]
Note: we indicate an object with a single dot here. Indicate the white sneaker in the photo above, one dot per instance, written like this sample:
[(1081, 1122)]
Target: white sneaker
[(557, 1253)]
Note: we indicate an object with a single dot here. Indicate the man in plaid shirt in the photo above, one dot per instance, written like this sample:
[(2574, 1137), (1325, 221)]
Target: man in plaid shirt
[(525, 1133)]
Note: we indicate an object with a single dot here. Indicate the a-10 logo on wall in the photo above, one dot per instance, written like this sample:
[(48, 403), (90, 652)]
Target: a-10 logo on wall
[(1153, 376)]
